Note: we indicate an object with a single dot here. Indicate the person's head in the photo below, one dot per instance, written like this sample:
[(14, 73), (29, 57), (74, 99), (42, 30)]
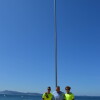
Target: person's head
[(49, 89), (67, 88), (58, 88)]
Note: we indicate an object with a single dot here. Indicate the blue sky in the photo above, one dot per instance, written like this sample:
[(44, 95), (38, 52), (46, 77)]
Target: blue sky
[(27, 45)]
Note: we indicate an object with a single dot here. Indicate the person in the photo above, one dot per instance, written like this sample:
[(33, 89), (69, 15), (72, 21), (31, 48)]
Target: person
[(58, 95), (68, 95), (47, 95)]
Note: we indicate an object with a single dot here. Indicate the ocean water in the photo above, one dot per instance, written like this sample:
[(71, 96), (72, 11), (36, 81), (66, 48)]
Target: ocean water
[(9, 97)]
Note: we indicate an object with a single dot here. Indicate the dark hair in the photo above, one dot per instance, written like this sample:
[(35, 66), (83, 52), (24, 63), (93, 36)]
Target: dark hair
[(58, 87), (67, 87), (49, 88)]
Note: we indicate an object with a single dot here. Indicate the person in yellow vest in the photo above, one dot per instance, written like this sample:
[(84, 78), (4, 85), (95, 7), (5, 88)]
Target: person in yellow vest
[(47, 95), (68, 95)]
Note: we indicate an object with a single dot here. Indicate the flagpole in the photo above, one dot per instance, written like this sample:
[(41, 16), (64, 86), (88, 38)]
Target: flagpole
[(55, 40)]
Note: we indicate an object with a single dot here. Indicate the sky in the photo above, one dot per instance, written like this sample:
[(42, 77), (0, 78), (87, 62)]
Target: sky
[(27, 45)]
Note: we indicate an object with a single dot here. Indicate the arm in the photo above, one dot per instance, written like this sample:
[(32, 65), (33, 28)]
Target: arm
[(73, 98), (53, 98), (64, 97), (43, 96)]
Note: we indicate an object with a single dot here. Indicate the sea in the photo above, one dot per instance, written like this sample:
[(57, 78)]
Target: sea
[(25, 97)]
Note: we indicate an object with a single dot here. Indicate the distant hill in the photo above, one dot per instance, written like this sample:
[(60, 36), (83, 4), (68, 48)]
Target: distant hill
[(7, 92)]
